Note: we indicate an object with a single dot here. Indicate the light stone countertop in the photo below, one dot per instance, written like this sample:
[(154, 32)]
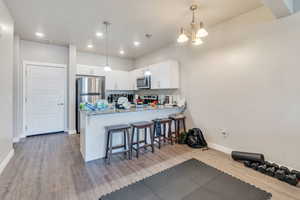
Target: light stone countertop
[(132, 109)]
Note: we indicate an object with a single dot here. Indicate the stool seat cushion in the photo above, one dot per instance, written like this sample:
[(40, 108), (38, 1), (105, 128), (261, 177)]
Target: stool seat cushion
[(177, 117), (117, 127), (162, 120), (142, 124)]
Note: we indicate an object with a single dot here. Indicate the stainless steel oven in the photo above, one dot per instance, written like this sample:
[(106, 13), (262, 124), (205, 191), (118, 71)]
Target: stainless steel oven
[(143, 82)]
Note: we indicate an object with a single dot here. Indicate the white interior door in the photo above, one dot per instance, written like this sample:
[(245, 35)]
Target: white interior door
[(45, 99)]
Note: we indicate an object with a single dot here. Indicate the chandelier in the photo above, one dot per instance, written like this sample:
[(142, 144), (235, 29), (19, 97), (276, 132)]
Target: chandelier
[(196, 33)]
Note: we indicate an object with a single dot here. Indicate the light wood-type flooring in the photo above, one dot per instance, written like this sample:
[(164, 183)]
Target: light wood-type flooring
[(51, 167)]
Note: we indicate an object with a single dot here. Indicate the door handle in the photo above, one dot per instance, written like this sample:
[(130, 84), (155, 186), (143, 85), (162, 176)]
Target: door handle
[(60, 104)]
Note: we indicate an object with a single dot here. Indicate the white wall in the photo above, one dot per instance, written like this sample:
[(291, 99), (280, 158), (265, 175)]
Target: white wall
[(245, 79), (38, 52), (91, 59), (6, 83)]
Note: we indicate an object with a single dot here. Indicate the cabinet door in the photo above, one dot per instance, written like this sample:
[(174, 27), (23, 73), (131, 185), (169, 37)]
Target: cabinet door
[(110, 81), (155, 77)]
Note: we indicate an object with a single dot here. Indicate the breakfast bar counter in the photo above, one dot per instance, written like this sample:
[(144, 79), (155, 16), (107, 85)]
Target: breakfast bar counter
[(93, 123)]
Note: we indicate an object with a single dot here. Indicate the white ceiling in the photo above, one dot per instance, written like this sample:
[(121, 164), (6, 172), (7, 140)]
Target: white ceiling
[(76, 21)]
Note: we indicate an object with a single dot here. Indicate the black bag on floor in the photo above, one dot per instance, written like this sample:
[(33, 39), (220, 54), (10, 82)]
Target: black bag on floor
[(195, 138)]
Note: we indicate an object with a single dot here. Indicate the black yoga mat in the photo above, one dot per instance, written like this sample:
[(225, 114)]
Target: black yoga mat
[(190, 180)]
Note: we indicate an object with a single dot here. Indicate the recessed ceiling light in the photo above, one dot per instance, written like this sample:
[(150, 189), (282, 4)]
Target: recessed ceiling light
[(3, 27), (90, 46), (136, 43), (99, 34), (39, 34), (122, 52)]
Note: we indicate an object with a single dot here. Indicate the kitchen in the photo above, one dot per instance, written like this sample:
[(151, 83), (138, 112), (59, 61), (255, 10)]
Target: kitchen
[(129, 97)]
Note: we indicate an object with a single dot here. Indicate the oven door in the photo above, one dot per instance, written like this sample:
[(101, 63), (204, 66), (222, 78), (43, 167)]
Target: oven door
[(143, 83)]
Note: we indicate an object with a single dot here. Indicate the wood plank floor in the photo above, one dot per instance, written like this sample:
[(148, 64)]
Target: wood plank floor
[(51, 167)]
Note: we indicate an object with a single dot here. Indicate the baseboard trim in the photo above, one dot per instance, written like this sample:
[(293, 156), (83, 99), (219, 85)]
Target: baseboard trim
[(72, 132), (220, 148), (17, 139), (6, 160)]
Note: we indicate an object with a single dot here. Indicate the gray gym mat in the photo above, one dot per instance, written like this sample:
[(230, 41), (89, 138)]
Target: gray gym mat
[(190, 180)]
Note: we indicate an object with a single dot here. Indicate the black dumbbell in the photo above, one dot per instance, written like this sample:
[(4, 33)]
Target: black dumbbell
[(268, 164), (262, 168), (275, 166), (247, 163), (254, 165), (291, 179), (285, 169), (271, 171), (297, 173), (280, 175)]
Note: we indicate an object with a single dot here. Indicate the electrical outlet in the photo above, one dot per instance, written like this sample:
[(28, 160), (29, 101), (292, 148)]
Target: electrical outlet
[(224, 133)]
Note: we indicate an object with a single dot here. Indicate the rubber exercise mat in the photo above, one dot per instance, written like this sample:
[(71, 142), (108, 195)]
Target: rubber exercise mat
[(190, 180)]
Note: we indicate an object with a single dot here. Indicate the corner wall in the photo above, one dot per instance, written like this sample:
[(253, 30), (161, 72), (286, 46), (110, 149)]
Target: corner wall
[(6, 85), (244, 80)]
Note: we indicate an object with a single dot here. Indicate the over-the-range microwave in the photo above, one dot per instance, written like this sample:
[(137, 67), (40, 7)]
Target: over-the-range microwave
[(143, 82)]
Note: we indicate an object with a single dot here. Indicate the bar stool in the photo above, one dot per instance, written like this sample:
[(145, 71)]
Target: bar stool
[(177, 119), (138, 126), (160, 131), (126, 140)]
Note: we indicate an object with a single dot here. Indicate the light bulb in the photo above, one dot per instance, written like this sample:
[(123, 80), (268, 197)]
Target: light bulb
[(107, 68), (202, 33), (182, 38), (148, 73), (99, 34), (39, 34)]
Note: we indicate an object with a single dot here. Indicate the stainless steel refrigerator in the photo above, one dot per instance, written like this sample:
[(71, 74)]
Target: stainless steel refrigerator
[(88, 89)]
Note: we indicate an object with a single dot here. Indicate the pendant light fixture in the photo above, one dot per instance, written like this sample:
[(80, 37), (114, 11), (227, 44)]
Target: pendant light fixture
[(107, 67), (196, 33)]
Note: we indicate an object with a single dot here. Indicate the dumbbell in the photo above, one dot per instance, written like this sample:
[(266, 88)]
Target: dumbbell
[(297, 173), (291, 179), (285, 169), (275, 166), (268, 164), (271, 171), (254, 165), (280, 175), (247, 163), (262, 168)]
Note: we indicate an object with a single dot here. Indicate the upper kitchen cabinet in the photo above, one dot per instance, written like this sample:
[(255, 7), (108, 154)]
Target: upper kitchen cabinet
[(165, 75), (118, 80), (87, 70)]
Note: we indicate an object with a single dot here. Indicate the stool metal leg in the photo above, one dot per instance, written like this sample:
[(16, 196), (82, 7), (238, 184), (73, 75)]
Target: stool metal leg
[(125, 143), (170, 135), (110, 148), (132, 141), (145, 137), (152, 138), (184, 127), (138, 143), (107, 144), (129, 145)]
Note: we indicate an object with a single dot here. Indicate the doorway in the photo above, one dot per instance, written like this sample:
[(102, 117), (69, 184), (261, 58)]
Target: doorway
[(44, 98)]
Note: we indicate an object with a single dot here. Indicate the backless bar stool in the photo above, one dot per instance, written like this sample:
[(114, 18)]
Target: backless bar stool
[(177, 120), (136, 127), (126, 140), (161, 133)]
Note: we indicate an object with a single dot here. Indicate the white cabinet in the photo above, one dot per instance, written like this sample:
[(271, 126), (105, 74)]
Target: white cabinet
[(90, 70), (117, 80), (165, 75)]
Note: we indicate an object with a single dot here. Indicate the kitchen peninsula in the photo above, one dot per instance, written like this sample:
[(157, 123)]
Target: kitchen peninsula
[(93, 123)]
